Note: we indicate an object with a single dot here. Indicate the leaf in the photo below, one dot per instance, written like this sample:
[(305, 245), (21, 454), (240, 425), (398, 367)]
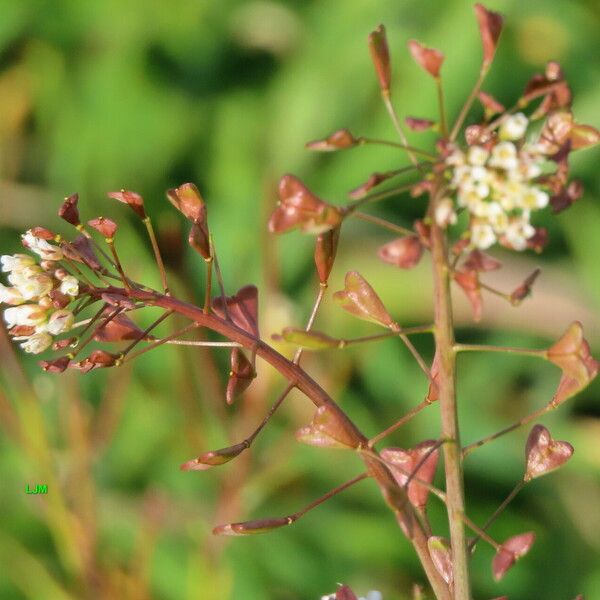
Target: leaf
[(511, 551), (404, 252), (359, 299), (544, 454)]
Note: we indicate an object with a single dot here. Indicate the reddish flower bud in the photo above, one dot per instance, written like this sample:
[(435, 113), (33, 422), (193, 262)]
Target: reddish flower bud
[(364, 188), (104, 227), (329, 429), (299, 207), (539, 240), (579, 368), (480, 261), (98, 359), (490, 27), (199, 239), (241, 375), (441, 555), (311, 340), (118, 329), (491, 106), (21, 331), (380, 55), (429, 59), (417, 124), (510, 551), (69, 211), (544, 454), (133, 199), (242, 309), (252, 527), (403, 462), (325, 252), (81, 250), (43, 234), (566, 197), (345, 593), (64, 343), (359, 299), (338, 140), (524, 290), (404, 252), (214, 458), (58, 365), (189, 202), (478, 134), (469, 282)]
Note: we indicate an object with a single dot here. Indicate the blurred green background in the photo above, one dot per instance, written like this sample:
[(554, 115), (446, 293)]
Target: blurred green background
[(144, 94)]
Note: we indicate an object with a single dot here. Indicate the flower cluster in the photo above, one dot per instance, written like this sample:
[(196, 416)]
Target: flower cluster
[(38, 294), (496, 181)]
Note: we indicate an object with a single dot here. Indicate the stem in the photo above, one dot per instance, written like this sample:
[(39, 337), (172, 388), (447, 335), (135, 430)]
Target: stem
[(387, 100), (535, 415), (394, 496), (497, 513), (444, 339), (503, 349), (343, 343), (208, 291), (414, 352), (480, 532), (376, 197), (442, 108), (403, 146), (160, 342), (157, 254), (467, 105), (383, 223), (111, 245), (405, 419)]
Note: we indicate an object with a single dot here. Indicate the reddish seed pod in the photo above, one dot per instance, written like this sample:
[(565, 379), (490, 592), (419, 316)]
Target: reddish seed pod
[(338, 140), (69, 211), (428, 59), (132, 199), (325, 252), (380, 54), (490, 27)]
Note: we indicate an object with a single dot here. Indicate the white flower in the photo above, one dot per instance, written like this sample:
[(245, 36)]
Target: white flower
[(15, 262), (480, 174), (26, 314), (41, 247), (69, 286), (482, 235), (504, 156), (10, 295), (22, 276), (478, 155), (514, 127), (36, 287), (456, 158), (444, 213), (60, 321), (36, 343), (518, 232), (534, 198)]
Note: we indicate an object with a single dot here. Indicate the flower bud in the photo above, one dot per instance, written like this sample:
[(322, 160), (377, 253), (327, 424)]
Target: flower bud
[(338, 140), (134, 200), (69, 286), (37, 343), (58, 365), (10, 295), (41, 246), (60, 321), (380, 55)]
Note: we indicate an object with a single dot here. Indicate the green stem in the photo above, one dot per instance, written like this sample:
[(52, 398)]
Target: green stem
[(383, 223), (469, 102), (503, 349), (444, 338)]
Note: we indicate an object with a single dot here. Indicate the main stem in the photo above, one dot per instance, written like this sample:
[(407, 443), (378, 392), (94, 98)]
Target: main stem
[(444, 339)]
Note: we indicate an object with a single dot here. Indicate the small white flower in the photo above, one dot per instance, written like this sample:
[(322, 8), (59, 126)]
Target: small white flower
[(60, 321), (69, 286), (10, 295), (26, 314), (482, 235), (456, 158), (478, 155), (514, 127), (15, 262), (534, 198), (41, 247), (444, 213), (36, 287), (479, 174), (36, 343), (21, 276), (504, 156)]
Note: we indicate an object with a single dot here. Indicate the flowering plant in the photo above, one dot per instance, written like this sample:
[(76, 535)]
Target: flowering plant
[(481, 191)]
